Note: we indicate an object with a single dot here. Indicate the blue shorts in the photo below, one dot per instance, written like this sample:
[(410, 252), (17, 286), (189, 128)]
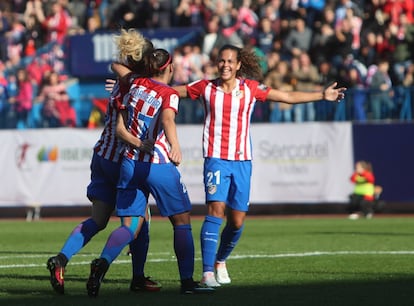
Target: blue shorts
[(228, 181), (104, 179), (163, 181)]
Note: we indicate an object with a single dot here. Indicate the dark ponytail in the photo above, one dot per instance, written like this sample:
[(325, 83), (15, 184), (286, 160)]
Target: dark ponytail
[(159, 60)]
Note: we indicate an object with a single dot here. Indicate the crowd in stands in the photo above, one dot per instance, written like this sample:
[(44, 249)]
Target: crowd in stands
[(365, 45)]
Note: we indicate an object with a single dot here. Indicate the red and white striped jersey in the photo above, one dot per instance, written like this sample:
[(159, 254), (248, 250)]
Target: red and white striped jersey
[(226, 132), (145, 101), (109, 146)]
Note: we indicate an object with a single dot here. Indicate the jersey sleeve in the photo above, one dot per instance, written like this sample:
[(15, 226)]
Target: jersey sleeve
[(117, 96), (195, 89), (260, 91), (171, 102)]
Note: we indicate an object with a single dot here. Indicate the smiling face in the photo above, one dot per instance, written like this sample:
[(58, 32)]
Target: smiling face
[(228, 65)]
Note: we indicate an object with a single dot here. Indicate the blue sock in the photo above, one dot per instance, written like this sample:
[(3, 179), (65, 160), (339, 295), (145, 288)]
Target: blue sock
[(229, 239), (116, 242), (209, 241), (139, 250), (79, 237), (184, 250)]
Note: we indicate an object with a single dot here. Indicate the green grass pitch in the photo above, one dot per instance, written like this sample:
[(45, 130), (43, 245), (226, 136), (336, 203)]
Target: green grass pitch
[(279, 261)]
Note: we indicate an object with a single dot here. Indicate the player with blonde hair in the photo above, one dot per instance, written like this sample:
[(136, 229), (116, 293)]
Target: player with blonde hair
[(105, 169)]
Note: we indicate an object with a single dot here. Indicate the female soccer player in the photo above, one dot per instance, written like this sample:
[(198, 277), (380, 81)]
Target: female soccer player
[(228, 103), (105, 167), (149, 112)]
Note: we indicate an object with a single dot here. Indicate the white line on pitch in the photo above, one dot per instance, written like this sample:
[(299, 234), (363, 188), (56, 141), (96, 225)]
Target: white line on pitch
[(257, 256)]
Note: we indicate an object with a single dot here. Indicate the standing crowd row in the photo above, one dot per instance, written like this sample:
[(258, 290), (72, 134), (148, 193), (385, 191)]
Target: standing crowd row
[(302, 45)]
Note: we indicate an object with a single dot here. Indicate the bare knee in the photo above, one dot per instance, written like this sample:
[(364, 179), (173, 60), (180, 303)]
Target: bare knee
[(180, 219)]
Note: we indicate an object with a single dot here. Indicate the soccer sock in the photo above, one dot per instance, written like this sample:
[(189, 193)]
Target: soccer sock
[(184, 250), (116, 242), (228, 241), (209, 240), (139, 249), (79, 237)]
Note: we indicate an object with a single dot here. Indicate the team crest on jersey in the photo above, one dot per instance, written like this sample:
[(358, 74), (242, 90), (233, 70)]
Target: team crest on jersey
[(212, 189), (239, 94)]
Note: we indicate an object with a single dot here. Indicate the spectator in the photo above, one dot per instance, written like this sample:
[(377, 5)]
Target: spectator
[(362, 198), (321, 49), (56, 22), (4, 100), (22, 102), (368, 53), (187, 69), (34, 30), (280, 77), (341, 10), (190, 13), (15, 39), (381, 102), (341, 43), (265, 35), (213, 40), (4, 28), (357, 93), (324, 110), (57, 111), (39, 69), (122, 15), (299, 38), (385, 45), (403, 38), (311, 10), (356, 25), (406, 99), (81, 10), (243, 25), (272, 59), (153, 14), (307, 78)]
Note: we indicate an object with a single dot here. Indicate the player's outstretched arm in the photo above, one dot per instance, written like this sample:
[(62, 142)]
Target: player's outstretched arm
[(330, 93)]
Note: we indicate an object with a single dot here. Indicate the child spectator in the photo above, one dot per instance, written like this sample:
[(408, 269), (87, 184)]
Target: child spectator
[(362, 199)]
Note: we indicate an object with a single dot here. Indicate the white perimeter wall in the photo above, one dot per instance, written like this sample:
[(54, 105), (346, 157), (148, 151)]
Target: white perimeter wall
[(293, 163)]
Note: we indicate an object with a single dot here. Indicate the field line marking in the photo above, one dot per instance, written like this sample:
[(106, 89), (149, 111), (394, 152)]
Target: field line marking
[(241, 256)]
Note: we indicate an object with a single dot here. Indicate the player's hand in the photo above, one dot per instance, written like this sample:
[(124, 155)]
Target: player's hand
[(147, 146), (109, 84), (175, 156), (331, 93)]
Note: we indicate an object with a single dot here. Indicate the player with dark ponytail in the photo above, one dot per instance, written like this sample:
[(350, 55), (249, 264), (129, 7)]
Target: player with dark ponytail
[(149, 111)]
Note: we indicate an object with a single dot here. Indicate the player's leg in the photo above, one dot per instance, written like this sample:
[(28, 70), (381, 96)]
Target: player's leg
[(78, 238), (184, 251), (173, 201), (117, 241), (131, 203), (139, 250), (237, 207), (229, 239), (217, 179), (102, 193), (82, 234), (209, 239)]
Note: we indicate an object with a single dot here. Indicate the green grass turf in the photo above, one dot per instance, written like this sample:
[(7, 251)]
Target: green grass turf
[(278, 261)]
